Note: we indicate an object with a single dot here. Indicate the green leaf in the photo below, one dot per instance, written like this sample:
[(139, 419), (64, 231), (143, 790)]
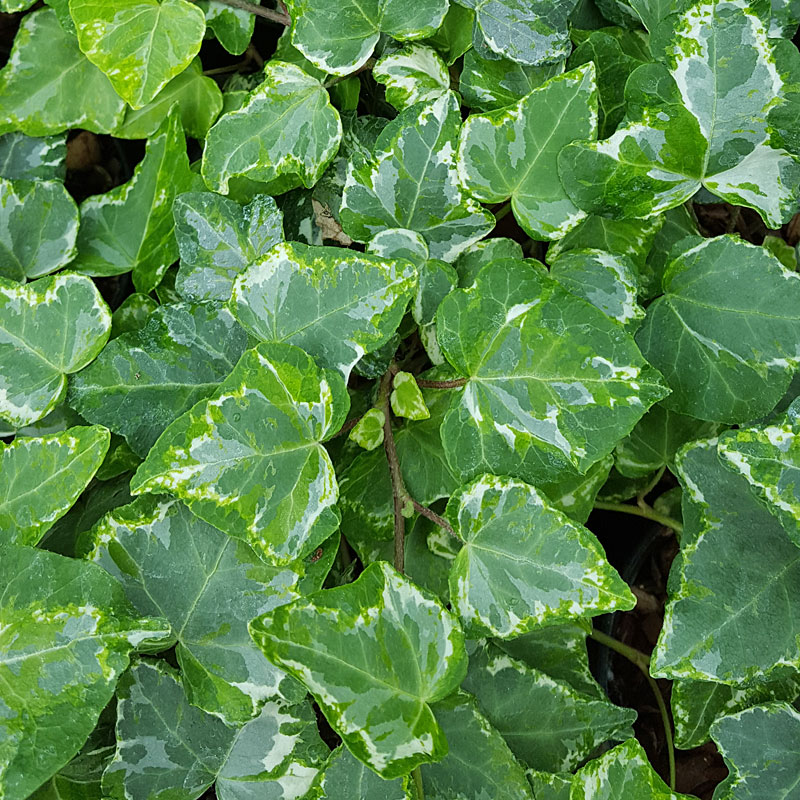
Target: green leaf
[(41, 478), (479, 763), (406, 398), (132, 314), (218, 239), (769, 770), (697, 120), (546, 723), (38, 228), (340, 36), (199, 100), (33, 362), (553, 383), (489, 84), (375, 695), (414, 74), (512, 153), (27, 158), (140, 44), (697, 704), (40, 100), (531, 33), (411, 182), (548, 786), (208, 586), (525, 565), (249, 460), (336, 305), (454, 36), (726, 333), (575, 494), (284, 136), (621, 774), (131, 227), (368, 432), (61, 653), (346, 778), (143, 380), (232, 26), (477, 256), (714, 627), (674, 226)]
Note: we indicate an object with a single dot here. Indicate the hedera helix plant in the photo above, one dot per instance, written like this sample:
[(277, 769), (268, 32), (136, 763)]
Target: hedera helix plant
[(418, 295)]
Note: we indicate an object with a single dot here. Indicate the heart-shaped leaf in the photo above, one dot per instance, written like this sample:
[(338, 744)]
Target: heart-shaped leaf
[(412, 75), (28, 158)]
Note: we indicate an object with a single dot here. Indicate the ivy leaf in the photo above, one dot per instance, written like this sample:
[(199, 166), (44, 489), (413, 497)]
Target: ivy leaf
[(512, 153), (552, 381), (479, 761), (284, 136), (218, 239), (478, 255), (676, 138), (38, 228), (232, 26), (33, 363), (376, 696), (143, 380), (347, 778), (140, 44), (336, 305), (61, 653), (414, 74), (132, 314), (525, 565), (339, 37), (41, 478), (29, 158), (575, 494), (454, 36), (714, 624), (546, 723), (368, 432), (131, 227), (411, 182), (40, 102), (208, 586), (406, 398), (767, 771), (249, 460), (531, 33), (693, 334)]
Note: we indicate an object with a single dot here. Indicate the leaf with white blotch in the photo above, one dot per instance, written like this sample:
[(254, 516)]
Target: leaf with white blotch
[(490, 84), (406, 398), (283, 137), (218, 239), (622, 774), (607, 281), (232, 26), (546, 723), (726, 333), (29, 158), (131, 227), (334, 303), (61, 653), (414, 74), (549, 786), (478, 255), (34, 363), (186, 750), (143, 380), (199, 100), (209, 586), (139, 44), (40, 101), (411, 182), (375, 695), (552, 382), (768, 770), (575, 494), (38, 228), (658, 435), (41, 478), (728, 620), (368, 431), (528, 32), (525, 565), (785, 18), (249, 459), (696, 705), (697, 120), (339, 36), (347, 778), (768, 458), (511, 153), (478, 764)]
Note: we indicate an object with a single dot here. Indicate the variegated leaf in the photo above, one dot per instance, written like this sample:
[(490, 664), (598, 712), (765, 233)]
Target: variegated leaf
[(347, 778), (414, 74), (28, 158)]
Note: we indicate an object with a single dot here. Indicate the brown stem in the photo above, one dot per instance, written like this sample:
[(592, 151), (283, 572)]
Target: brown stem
[(455, 383), (259, 11), (348, 426), (433, 517)]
